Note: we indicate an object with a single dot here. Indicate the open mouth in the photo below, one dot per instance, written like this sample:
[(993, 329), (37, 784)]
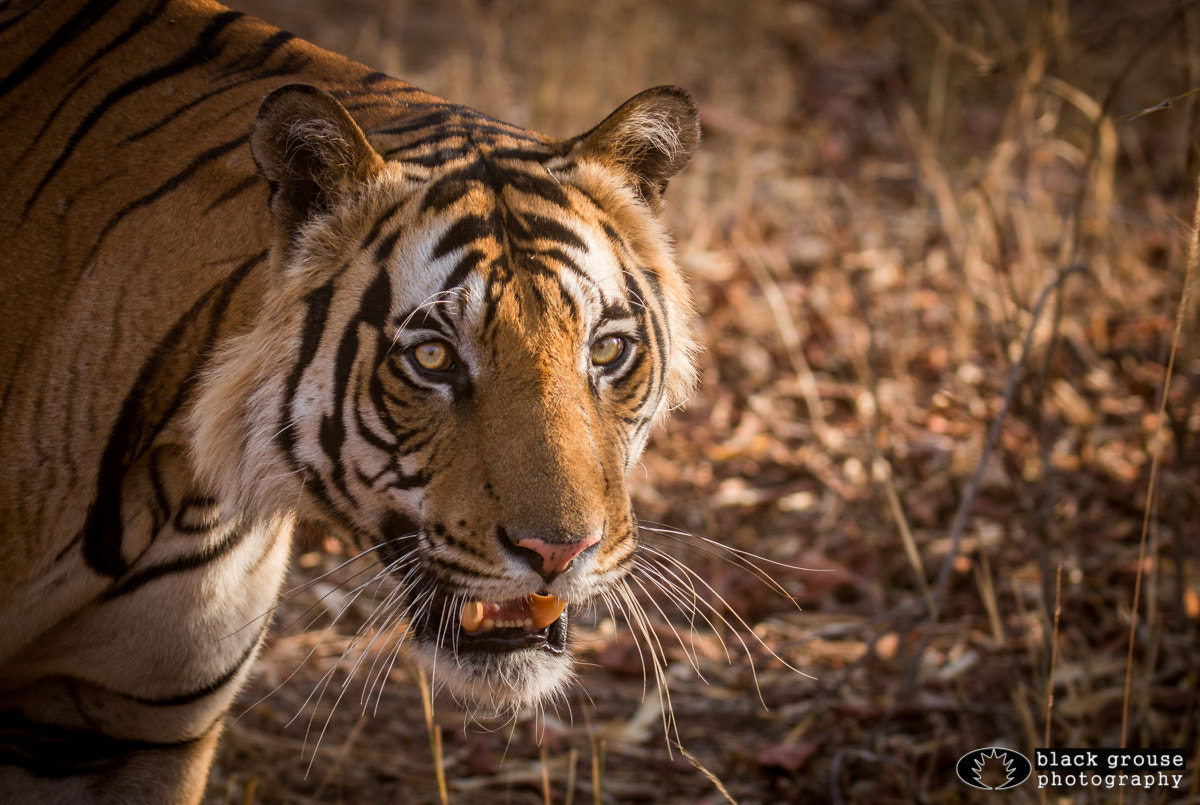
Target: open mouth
[(535, 621)]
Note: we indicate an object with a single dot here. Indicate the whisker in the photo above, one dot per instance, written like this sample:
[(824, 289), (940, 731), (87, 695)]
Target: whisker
[(443, 297), (740, 552), (690, 654), (740, 621), (736, 557), (659, 657), (678, 590)]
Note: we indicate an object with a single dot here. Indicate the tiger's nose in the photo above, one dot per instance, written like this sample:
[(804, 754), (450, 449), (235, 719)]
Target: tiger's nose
[(555, 557)]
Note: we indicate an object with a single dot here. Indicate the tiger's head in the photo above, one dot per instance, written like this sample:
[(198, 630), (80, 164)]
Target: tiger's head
[(468, 335)]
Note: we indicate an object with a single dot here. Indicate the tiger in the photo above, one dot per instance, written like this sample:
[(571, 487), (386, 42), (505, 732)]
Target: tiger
[(250, 286)]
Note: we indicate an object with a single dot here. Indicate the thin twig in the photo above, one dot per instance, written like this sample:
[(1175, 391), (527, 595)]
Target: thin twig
[(545, 763), (1053, 661), (881, 466), (1014, 376), (758, 260), (964, 509), (982, 62), (712, 778), (1184, 306), (597, 745), (1158, 107), (435, 737)]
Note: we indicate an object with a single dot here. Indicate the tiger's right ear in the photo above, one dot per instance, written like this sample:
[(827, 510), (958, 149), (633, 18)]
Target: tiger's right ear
[(311, 151)]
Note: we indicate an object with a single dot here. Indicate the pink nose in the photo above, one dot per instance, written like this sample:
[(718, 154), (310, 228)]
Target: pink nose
[(557, 556)]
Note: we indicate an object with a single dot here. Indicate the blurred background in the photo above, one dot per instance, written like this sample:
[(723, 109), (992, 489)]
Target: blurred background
[(938, 249)]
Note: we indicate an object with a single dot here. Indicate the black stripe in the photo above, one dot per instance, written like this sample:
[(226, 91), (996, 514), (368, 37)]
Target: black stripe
[(436, 121), (138, 424), (661, 324), (50, 751), (431, 159), (201, 53), (552, 229), (471, 260), (61, 38), (543, 186), (463, 232), (645, 316), (449, 564), (401, 484), (178, 111), (447, 190), (500, 277), (315, 486), (253, 60), (208, 689), (180, 564), (247, 68), (377, 230), (140, 22), (196, 515), (244, 186), (372, 311), (161, 504), (541, 152), (612, 311), (383, 251), (18, 360), (16, 19), (198, 162), (317, 304)]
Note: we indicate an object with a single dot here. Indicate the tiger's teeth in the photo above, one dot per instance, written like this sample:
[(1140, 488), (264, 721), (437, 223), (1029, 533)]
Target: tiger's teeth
[(541, 611), (472, 616), (545, 609)]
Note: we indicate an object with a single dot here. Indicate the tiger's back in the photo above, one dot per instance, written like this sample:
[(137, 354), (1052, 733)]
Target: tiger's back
[(440, 336), (79, 304)]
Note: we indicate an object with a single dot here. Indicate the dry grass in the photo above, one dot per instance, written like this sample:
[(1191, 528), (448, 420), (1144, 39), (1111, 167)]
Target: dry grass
[(939, 271)]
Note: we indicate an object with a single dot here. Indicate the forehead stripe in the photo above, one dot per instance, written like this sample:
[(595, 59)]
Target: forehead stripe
[(463, 232), (543, 186), (380, 222), (531, 226), (470, 261)]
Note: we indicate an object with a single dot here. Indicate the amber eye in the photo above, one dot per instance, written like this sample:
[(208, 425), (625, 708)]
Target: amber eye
[(606, 351), (433, 356)]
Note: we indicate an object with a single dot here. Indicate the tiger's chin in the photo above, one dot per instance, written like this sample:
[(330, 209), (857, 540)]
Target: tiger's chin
[(499, 659)]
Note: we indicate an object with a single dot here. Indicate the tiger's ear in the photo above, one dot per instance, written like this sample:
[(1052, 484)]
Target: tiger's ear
[(311, 151), (651, 136)]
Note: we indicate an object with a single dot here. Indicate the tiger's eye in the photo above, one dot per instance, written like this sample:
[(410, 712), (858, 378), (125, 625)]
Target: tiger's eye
[(433, 356), (607, 350)]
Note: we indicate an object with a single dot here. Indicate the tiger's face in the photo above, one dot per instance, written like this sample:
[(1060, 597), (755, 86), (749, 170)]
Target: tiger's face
[(479, 346)]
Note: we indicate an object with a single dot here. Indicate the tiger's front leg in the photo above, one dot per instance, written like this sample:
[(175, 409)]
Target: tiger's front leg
[(122, 700)]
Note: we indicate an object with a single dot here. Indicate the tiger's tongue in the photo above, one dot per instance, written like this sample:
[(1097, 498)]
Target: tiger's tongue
[(532, 613)]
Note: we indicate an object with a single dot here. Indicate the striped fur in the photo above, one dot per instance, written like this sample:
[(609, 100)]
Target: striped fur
[(194, 359)]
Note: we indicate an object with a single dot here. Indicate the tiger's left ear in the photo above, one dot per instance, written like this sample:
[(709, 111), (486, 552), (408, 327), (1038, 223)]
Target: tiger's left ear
[(311, 151), (652, 136)]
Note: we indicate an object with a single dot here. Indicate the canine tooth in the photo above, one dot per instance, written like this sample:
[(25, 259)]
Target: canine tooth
[(472, 616), (545, 610)]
